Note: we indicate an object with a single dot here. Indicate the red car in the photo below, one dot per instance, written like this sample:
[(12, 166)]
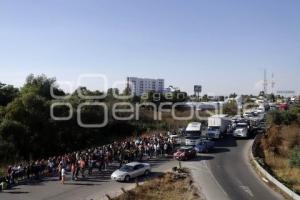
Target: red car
[(185, 153)]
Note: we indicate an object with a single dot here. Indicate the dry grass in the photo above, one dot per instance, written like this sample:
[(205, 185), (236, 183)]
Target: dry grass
[(277, 145), (167, 187)]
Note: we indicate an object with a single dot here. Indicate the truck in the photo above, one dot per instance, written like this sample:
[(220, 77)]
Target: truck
[(193, 133), (217, 126), (241, 130)]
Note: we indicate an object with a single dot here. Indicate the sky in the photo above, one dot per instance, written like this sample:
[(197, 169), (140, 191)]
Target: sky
[(223, 45)]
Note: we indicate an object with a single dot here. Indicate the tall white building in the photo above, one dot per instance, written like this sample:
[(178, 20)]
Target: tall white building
[(139, 86)]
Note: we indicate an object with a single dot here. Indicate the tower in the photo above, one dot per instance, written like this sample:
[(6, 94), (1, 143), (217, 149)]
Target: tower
[(273, 83), (265, 82)]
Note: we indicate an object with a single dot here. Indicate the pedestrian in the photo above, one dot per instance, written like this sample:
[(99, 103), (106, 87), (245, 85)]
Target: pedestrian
[(73, 171), (82, 167), (63, 175)]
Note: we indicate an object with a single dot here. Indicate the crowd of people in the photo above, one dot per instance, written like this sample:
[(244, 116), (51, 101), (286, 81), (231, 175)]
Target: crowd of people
[(82, 163)]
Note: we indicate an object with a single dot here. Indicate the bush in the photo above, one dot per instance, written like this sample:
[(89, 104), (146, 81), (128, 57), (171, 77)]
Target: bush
[(283, 117), (288, 117), (275, 117), (294, 160)]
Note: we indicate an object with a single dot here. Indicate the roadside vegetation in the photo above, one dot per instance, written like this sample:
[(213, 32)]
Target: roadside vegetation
[(171, 186), (280, 147), (27, 131)]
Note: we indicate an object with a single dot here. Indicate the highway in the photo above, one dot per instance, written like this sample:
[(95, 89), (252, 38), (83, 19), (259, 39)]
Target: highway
[(94, 187), (227, 174), (222, 175)]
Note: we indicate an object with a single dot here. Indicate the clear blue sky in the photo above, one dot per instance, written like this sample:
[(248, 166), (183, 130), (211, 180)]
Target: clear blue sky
[(223, 45)]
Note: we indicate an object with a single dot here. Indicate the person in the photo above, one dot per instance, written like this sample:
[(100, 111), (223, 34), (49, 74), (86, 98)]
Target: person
[(63, 175), (60, 170), (90, 165), (82, 167), (10, 175), (73, 171)]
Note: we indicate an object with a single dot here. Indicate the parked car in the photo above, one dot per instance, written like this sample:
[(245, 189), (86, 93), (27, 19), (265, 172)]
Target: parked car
[(185, 153), (131, 170), (205, 146)]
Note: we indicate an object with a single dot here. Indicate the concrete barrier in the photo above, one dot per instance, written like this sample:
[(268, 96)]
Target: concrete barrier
[(273, 180)]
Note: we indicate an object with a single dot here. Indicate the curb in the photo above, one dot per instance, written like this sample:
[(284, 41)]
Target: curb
[(273, 180)]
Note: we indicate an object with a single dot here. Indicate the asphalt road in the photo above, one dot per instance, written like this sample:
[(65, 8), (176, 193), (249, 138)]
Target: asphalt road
[(227, 174), (222, 175), (94, 187)]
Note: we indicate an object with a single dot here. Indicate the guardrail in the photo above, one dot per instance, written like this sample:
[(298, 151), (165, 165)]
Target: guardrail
[(268, 176)]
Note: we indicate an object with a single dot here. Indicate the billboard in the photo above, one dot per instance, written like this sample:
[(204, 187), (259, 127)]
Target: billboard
[(197, 88)]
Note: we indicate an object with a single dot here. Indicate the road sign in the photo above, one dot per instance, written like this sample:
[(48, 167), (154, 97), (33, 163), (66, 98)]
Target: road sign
[(197, 88)]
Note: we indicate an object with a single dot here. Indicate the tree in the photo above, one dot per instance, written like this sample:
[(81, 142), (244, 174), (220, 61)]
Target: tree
[(231, 108), (262, 94), (234, 95), (15, 135), (294, 160), (7, 94), (205, 98)]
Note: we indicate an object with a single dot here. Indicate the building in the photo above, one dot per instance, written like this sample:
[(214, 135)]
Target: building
[(139, 86)]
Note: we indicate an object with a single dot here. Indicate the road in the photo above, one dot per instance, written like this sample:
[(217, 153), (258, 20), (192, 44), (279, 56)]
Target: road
[(94, 187), (225, 174)]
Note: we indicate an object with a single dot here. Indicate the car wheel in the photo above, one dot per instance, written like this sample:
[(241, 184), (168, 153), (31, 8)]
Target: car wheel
[(147, 172), (127, 178)]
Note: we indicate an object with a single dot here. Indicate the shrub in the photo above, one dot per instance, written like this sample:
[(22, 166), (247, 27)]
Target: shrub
[(288, 117), (294, 160), (275, 117)]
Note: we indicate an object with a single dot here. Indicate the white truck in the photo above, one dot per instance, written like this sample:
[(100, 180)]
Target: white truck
[(241, 130), (193, 133), (217, 126)]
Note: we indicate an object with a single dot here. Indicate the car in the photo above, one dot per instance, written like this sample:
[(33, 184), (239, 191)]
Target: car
[(205, 146), (131, 170), (185, 153)]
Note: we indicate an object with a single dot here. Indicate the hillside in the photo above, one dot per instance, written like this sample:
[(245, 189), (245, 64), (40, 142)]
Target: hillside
[(280, 148)]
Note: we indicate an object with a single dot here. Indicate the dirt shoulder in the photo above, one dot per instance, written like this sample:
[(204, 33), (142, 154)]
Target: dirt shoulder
[(171, 186)]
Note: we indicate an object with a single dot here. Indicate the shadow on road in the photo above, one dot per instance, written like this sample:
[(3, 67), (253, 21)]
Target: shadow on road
[(16, 192), (80, 184), (228, 141), (201, 157), (220, 150)]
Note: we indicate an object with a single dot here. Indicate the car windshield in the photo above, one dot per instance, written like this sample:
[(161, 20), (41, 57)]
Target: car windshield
[(183, 150), (192, 138), (241, 126), (193, 133), (213, 128), (126, 168)]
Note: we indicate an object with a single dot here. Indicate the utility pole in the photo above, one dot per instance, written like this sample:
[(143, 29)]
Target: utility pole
[(273, 83), (265, 83)]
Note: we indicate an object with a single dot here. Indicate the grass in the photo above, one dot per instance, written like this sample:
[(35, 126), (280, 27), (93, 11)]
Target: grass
[(170, 186), (277, 146)]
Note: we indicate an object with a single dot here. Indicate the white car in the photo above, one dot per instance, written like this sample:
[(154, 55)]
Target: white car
[(131, 170)]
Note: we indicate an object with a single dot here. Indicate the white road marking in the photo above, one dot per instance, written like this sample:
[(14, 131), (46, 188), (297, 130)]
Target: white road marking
[(215, 180), (265, 180), (247, 190)]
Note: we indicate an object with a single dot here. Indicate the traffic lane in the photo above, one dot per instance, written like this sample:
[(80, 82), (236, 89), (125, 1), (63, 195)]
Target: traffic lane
[(234, 173), (204, 180), (93, 187)]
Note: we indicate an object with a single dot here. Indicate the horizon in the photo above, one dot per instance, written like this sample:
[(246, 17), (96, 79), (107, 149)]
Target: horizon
[(212, 44)]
